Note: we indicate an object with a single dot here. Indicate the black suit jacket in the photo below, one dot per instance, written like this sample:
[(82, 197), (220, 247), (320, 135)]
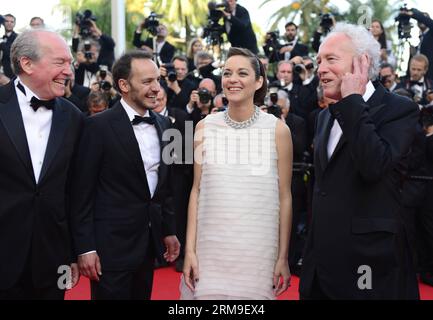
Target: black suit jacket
[(112, 211), (241, 32), (34, 216), (167, 50), (298, 130), (356, 201)]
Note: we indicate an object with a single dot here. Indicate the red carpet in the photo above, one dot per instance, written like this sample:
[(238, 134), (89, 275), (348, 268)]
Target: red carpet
[(166, 287)]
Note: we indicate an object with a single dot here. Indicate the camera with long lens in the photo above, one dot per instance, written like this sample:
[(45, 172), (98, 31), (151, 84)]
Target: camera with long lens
[(404, 26), (384, 79), (204, 95), (105, 85), (272, 45), (274, 109), (151, 23), (215, 12), (299, 68), (326, 22), (171, 72), (213, 30), (83, 20), (103, 72), (87, 53)]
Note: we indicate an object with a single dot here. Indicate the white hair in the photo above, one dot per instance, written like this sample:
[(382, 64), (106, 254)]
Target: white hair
[(282, 94), (363, 42), (28, 44)]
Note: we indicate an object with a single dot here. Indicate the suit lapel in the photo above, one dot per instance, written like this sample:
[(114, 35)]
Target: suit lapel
[(125, 133), (163, 169), (10, 116), (55, 139), (374, 105), (324, 129)]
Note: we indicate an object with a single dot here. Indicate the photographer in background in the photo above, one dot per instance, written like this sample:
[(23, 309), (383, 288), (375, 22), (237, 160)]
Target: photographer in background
[(327, 22), (238, 27), (77, 94), (417, 83), (86, 29), (96, 103), (104, 83), (205, 67), (174, 80), (425, 24), (6, 44), (37, 23), (86, 65), (164, 49), (201, 100), (387, 77), (301, 101), (293, 48)]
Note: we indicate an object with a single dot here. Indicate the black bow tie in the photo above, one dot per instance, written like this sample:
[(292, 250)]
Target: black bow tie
[(35, 103), (414, 83), (138, 120)]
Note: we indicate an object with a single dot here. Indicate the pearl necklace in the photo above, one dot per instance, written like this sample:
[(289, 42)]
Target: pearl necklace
[(243, 124)]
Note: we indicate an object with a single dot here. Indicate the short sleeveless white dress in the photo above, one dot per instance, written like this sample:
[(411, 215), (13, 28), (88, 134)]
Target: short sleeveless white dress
[(238, 211)]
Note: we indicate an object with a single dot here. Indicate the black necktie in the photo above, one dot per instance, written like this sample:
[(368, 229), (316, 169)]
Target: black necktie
[(138, 120), (35, 103)]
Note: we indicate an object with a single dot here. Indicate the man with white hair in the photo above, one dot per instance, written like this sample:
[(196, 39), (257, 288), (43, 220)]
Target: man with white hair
[(357, 247), (38, 133)]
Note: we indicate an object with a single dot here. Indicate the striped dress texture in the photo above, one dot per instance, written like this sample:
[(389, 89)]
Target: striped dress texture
[(238, 211)]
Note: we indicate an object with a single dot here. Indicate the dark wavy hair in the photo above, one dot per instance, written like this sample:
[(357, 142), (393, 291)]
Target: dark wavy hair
[(382, 37), (259, 70)]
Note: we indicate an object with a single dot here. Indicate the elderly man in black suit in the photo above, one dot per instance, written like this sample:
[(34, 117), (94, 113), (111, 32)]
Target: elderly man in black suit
[(38, 134), (357, 246), (122, 211), (238, 27)]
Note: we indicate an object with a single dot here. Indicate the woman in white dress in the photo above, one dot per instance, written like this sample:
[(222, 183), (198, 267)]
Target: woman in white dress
[(240, 207)]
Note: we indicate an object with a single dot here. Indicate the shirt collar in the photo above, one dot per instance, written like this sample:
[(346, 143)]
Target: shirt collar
[(130, 111), (289, 87), (369, 90), (163, 112), (29, 93)]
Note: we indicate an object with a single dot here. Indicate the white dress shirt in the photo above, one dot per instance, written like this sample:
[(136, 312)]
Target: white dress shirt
[(37, 125), (336, 132), (288, 55), (150, 149)]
